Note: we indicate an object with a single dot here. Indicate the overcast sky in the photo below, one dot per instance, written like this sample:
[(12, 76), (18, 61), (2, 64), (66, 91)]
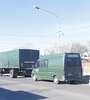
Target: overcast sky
[(21, 24)]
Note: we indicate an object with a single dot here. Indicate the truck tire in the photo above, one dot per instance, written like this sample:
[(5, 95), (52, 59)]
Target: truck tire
[(56, 80), (34, 77), (13, 74)]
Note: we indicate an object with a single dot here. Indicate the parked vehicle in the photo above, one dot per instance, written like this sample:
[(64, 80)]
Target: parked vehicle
[(18, 62), (58, 67)]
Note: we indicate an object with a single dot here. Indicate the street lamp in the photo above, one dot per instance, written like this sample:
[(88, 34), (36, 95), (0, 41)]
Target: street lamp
[(58, 29)]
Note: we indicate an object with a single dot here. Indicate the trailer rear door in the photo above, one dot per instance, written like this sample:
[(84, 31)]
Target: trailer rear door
[(28, 58)]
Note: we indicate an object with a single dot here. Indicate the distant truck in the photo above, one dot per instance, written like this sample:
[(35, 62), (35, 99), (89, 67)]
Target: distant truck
[(18, 62), (58, 67)]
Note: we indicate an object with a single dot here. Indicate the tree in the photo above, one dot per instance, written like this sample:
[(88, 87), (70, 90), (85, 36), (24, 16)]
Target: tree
[(51, 50), (78, 48), (75, 47), (54, 49), (88, 51)]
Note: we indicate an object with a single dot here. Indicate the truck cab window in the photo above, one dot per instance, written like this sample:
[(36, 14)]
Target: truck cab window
[(44, 63), (37, 64)]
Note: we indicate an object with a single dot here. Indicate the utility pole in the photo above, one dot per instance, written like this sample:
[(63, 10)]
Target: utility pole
[(58, 26)]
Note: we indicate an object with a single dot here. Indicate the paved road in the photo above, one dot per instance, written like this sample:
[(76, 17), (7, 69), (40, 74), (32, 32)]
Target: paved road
[(26, 89)]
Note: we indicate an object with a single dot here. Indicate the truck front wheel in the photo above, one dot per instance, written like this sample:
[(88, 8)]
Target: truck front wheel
[(56, 80), (34, 77)]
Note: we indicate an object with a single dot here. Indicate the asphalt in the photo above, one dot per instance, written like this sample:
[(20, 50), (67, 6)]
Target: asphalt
[(26, 89)]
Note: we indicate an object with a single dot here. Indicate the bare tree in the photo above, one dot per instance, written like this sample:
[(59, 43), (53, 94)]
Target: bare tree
[(75, 47), (78, 48), (88, 51), (89, 44), (65, 48), (54, 49), (51, 50)]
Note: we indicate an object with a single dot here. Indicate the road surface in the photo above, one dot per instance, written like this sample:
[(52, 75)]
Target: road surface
[(26, 89)]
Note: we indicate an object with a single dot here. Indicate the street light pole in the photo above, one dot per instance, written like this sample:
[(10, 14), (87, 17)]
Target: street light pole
[(58, 26)]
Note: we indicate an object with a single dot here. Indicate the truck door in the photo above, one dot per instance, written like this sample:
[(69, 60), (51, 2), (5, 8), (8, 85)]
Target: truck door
[(42, 70), (73, 67)]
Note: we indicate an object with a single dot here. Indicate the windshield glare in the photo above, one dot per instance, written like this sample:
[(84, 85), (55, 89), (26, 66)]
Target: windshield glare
[(73, 62)]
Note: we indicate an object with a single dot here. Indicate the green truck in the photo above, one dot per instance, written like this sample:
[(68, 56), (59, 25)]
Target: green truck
[(58, 67), (18, 62)]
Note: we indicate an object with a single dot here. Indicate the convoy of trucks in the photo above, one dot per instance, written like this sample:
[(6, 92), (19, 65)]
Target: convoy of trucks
[(56, 67)]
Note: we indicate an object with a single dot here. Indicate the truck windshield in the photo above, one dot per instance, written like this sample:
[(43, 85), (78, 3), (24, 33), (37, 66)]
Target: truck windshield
[(73, 60)]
